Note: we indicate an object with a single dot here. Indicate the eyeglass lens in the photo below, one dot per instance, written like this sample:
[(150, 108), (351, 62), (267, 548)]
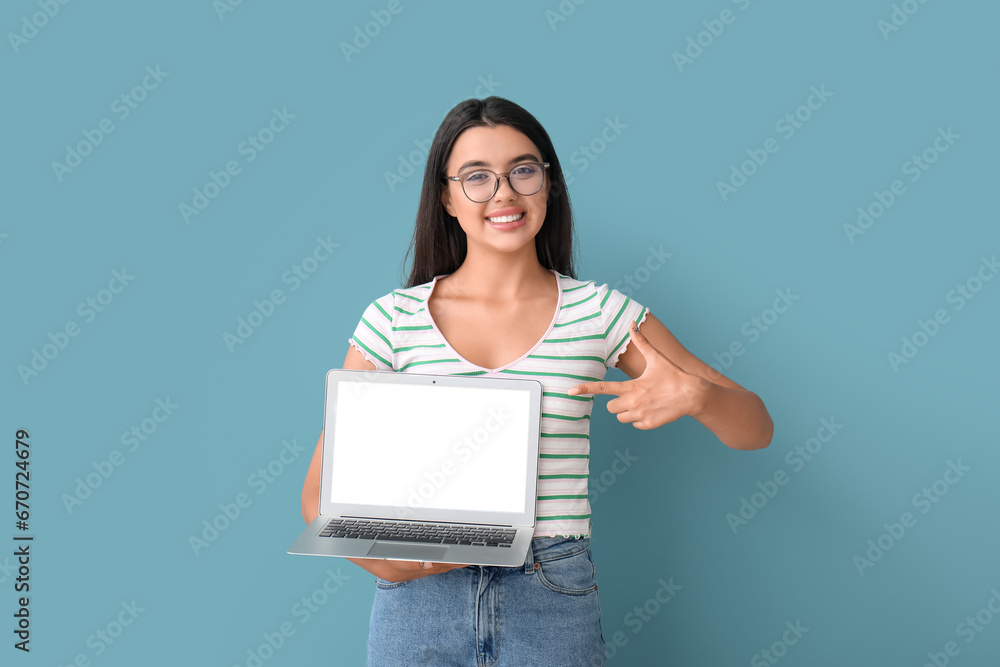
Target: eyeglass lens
[(525, 179)]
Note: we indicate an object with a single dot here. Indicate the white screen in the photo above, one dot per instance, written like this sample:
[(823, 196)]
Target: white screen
[(430, 446)]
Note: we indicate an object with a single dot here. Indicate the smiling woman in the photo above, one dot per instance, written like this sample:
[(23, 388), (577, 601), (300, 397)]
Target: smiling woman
[(492, 291), (483, 200)]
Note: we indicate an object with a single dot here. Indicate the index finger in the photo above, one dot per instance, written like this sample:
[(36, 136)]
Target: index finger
[(602, 387)]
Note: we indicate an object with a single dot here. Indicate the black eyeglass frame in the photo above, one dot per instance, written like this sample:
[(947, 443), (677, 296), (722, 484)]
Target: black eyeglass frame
[(461, 178)]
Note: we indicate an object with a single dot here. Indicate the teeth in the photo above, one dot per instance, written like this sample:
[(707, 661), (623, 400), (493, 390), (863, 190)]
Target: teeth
[(506, 218)]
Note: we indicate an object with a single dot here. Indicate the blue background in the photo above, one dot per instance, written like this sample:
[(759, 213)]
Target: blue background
[(358, 117)]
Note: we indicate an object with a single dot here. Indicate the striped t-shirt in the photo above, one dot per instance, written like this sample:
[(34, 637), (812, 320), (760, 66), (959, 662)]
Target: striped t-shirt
[(588, 331)]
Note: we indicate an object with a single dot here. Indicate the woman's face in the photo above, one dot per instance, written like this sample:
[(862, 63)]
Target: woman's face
[(498, 149)]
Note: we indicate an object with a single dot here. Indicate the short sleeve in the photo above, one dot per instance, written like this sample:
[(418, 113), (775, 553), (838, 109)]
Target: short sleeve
[(618, 312), (373, 335)]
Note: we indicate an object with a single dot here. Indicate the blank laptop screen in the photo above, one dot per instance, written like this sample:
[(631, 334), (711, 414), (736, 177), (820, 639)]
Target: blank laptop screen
[(432, 447)]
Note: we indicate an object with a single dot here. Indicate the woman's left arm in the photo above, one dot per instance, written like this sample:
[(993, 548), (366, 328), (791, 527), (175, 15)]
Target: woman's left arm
[(669, 382)]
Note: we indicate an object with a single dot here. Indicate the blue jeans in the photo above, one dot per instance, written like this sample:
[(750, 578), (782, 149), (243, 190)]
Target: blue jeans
[(543, 613)]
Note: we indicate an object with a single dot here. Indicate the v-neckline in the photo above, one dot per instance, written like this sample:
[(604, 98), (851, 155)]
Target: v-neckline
[(552, 323)]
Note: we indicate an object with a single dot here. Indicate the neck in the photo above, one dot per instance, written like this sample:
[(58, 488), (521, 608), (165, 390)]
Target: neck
[(501, 275)]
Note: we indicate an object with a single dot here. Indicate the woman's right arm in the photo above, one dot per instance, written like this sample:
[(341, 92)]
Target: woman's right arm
[(390, 570)]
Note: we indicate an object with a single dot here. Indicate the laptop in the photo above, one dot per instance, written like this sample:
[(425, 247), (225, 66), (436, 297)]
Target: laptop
[(435, 468)]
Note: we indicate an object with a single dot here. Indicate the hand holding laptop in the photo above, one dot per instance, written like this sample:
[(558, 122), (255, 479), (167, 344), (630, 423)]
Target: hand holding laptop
[(402, 570)]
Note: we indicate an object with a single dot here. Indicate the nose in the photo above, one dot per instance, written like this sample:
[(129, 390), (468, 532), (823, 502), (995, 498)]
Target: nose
[(500, 188)]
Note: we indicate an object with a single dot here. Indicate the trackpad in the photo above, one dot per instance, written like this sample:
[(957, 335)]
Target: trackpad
[(407, 551)]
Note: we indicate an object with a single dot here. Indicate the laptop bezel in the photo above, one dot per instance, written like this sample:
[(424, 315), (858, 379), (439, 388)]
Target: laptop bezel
[(330, 508)]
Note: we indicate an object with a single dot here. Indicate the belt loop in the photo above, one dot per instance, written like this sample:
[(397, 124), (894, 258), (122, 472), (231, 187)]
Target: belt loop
[(529, 560)]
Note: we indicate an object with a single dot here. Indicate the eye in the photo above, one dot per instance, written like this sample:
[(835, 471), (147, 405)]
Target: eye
[(477, 177), (524, 170)]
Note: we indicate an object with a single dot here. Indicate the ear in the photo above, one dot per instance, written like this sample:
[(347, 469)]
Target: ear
[(446, 200)]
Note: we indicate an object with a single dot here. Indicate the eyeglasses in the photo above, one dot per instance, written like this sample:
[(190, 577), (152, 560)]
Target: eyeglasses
[(480, 185)]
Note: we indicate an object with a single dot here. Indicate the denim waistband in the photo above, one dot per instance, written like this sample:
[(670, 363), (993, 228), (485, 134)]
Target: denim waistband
[(543, 549)]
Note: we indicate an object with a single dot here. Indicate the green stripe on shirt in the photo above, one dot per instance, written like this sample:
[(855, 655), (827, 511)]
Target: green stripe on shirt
[(555, 394), (372, 352), (413, 298), (428, 361), (577, 303), (568, 358), (376, 331), (382, 310), (617, 317), (582, 319), (585, 378), (413, 347), (570, 340)]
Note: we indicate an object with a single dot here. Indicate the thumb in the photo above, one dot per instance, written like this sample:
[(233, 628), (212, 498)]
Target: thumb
[(640, 339), (642, 344)]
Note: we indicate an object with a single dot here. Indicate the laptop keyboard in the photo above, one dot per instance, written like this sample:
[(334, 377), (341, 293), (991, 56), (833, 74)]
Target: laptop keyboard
[(427, 533)]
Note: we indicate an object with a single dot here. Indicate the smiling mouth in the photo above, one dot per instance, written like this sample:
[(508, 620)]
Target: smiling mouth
[(506, 218)]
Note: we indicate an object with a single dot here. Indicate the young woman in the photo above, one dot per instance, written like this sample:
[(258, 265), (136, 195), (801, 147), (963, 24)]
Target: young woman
[(492, 291)]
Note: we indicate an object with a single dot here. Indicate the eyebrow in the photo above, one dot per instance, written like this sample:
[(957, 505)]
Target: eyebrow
[(520, 158)]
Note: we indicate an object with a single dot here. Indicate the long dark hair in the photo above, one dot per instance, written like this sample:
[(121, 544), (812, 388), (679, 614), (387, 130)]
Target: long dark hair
[(439, 243)]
